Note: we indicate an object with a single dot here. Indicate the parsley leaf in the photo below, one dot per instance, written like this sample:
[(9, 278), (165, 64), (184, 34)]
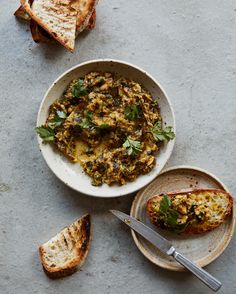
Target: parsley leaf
[(57, 120), (103, 127), (86, 122), (132, 112), (164, 204), (133, 147), (46, 133), (78, 89), (160, 134), (170, 216), (61, 114)]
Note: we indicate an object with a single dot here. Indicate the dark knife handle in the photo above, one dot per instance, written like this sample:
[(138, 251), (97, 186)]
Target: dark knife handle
[(201, 274)]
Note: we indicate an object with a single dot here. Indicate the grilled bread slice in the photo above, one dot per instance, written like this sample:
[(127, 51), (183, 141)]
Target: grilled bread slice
[(66, 252), (58, 18), (86, 18), (190, 212), (22, 14)]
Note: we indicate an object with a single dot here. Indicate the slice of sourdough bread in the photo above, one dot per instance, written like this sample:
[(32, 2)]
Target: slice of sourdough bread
[(57, 17), (66, 252)]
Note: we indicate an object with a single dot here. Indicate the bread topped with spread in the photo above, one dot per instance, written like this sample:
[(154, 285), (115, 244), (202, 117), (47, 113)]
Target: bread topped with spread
[(190, 212)]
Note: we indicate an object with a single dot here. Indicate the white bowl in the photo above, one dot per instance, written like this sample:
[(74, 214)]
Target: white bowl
[(72, 174)]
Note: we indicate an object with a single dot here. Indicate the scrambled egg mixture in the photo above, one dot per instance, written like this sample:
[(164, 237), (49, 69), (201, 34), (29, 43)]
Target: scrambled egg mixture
[(110, 125)]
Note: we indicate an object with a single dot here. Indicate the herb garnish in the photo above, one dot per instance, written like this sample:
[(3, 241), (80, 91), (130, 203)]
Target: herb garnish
[(160, 134), (78, 89), (102, 128), (132, 112), (46, 133), (133, 147), (170, 216), (57, 120), (86, 122)]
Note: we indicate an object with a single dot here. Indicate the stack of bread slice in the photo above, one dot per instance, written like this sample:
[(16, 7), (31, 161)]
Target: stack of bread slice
[(60, 20)]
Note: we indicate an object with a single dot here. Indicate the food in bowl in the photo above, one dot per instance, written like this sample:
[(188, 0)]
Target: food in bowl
[(191, 212), (109, 124)]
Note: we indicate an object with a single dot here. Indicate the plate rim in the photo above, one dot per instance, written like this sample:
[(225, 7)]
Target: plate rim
[(206, 260), (118, 193)]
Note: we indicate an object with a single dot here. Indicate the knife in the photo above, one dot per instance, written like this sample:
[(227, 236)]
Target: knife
[(165, 246)]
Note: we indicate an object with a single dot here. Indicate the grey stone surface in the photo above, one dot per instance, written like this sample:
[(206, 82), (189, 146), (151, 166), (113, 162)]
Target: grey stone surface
[(190, 47)]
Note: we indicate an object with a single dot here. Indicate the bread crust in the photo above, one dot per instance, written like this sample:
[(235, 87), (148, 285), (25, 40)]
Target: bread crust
[(73, 266), (92, 21), (197, 229), (22, 14)]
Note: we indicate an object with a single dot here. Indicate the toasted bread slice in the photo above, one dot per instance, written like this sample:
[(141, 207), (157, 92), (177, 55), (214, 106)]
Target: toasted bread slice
[(66, 252), (190, 212), (22, 14), (58, 18), (40, 35)]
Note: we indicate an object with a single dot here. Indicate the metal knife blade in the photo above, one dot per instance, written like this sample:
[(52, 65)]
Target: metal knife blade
[(152, 236)]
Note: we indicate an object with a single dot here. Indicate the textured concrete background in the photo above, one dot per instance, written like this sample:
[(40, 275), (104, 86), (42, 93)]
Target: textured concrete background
[(190, 47)]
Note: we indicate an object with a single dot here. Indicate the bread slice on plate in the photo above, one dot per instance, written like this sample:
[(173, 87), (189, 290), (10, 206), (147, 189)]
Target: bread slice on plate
[(190, 212), (66, 252)]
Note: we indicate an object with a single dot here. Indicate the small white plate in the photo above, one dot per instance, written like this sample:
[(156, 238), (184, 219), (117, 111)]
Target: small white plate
[(201, 249), (72, 174)]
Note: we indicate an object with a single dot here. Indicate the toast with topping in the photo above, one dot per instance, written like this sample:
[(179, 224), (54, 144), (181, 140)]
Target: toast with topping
[(66, 252), (190, 212)]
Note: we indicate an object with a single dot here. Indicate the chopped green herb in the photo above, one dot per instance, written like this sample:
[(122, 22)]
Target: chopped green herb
[(103, 127), (164, 204), (160, 134), (57, 120), (155, 103), (61, 114), (78, 89), (132, 112), (170, 216), (86, 122), (88, 115), (46, 133), (133, 147)]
